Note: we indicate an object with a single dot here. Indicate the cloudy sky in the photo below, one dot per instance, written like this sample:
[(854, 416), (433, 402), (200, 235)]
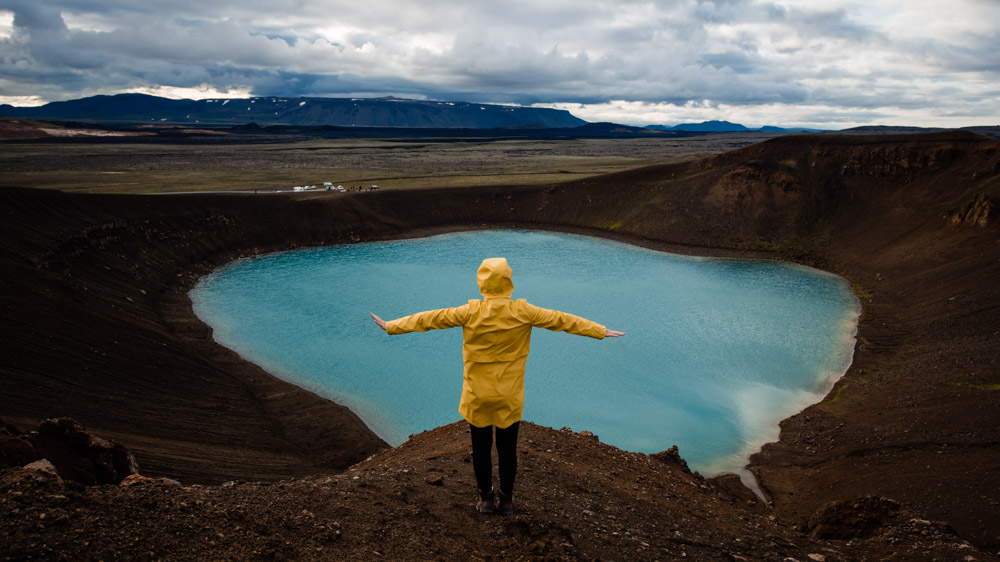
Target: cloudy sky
[(820, 63)]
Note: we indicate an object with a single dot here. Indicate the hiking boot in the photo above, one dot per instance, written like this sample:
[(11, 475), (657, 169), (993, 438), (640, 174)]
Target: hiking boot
[(486, 504), (506, 505)]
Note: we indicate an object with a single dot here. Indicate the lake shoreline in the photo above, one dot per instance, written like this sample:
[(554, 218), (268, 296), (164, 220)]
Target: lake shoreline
[(289, 277)]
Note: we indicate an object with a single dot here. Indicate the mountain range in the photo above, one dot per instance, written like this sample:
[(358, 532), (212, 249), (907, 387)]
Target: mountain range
[(380, 113), (727, 127), (342, 112), (387, 112)]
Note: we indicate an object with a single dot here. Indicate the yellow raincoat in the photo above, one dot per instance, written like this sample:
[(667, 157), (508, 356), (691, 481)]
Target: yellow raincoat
[(497, 334)]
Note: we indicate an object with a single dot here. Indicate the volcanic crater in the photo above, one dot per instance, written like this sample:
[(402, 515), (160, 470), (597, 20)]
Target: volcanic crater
[(97, 326)]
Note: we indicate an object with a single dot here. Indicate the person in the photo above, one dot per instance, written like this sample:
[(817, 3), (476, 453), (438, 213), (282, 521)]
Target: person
[(496, 333)]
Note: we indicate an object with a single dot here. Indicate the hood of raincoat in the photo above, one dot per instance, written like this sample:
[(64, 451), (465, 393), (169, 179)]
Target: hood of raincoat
[(494, 278)]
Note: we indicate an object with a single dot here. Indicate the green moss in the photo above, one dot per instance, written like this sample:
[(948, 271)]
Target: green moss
[(861, 292), (982, 386), (835, 394)]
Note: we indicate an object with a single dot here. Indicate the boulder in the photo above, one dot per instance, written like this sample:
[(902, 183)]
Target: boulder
[(861, 518), (15, 448), (42, 466), (80, 456), (732, 489), (978, 212), (135, 480), (672, 456)]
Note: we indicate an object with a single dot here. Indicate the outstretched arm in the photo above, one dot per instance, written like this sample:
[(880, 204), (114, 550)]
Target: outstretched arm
[(423, 321), (564, 322)]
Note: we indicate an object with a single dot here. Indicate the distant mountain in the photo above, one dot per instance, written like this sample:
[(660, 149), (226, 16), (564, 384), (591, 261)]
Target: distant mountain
[(343, 112), (612, 129), (587, 130), (889, 130), (985, 130), (704, 127), (727, 127)]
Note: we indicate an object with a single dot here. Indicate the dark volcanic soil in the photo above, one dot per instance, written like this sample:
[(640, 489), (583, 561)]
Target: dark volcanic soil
[(414, 503), (97, 326)]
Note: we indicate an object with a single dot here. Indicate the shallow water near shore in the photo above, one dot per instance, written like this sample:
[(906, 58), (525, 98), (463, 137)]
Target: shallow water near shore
[(717, 351)]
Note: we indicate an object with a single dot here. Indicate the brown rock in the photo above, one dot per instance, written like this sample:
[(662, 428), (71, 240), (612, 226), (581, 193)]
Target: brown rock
[(731, 487), (15, 450), (976, 212), (42, 466), (861, 518), (8, 429), (672, 456), (80, 456), (135, 480)]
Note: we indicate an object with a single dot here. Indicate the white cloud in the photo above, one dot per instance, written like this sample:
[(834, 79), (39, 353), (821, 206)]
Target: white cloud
[(6, 24), (22, 101), (201, 91), (84, 21), (813, 116)]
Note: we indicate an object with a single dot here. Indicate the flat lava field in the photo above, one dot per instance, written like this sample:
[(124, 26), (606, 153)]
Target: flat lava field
[(107, 166)]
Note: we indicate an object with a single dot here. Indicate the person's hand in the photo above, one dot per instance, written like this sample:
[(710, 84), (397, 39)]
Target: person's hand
[(613, 333), (379, 321)]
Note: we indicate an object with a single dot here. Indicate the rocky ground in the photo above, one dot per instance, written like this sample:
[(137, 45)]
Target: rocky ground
[(96, 325), (576, 499)]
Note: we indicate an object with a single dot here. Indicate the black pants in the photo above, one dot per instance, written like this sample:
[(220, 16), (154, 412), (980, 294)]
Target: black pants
[(482, 458)]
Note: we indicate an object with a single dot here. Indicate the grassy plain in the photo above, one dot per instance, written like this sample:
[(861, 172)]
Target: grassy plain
[(136, 167)]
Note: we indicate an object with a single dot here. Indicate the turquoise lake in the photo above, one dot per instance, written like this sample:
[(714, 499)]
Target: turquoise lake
[(717, 351)]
